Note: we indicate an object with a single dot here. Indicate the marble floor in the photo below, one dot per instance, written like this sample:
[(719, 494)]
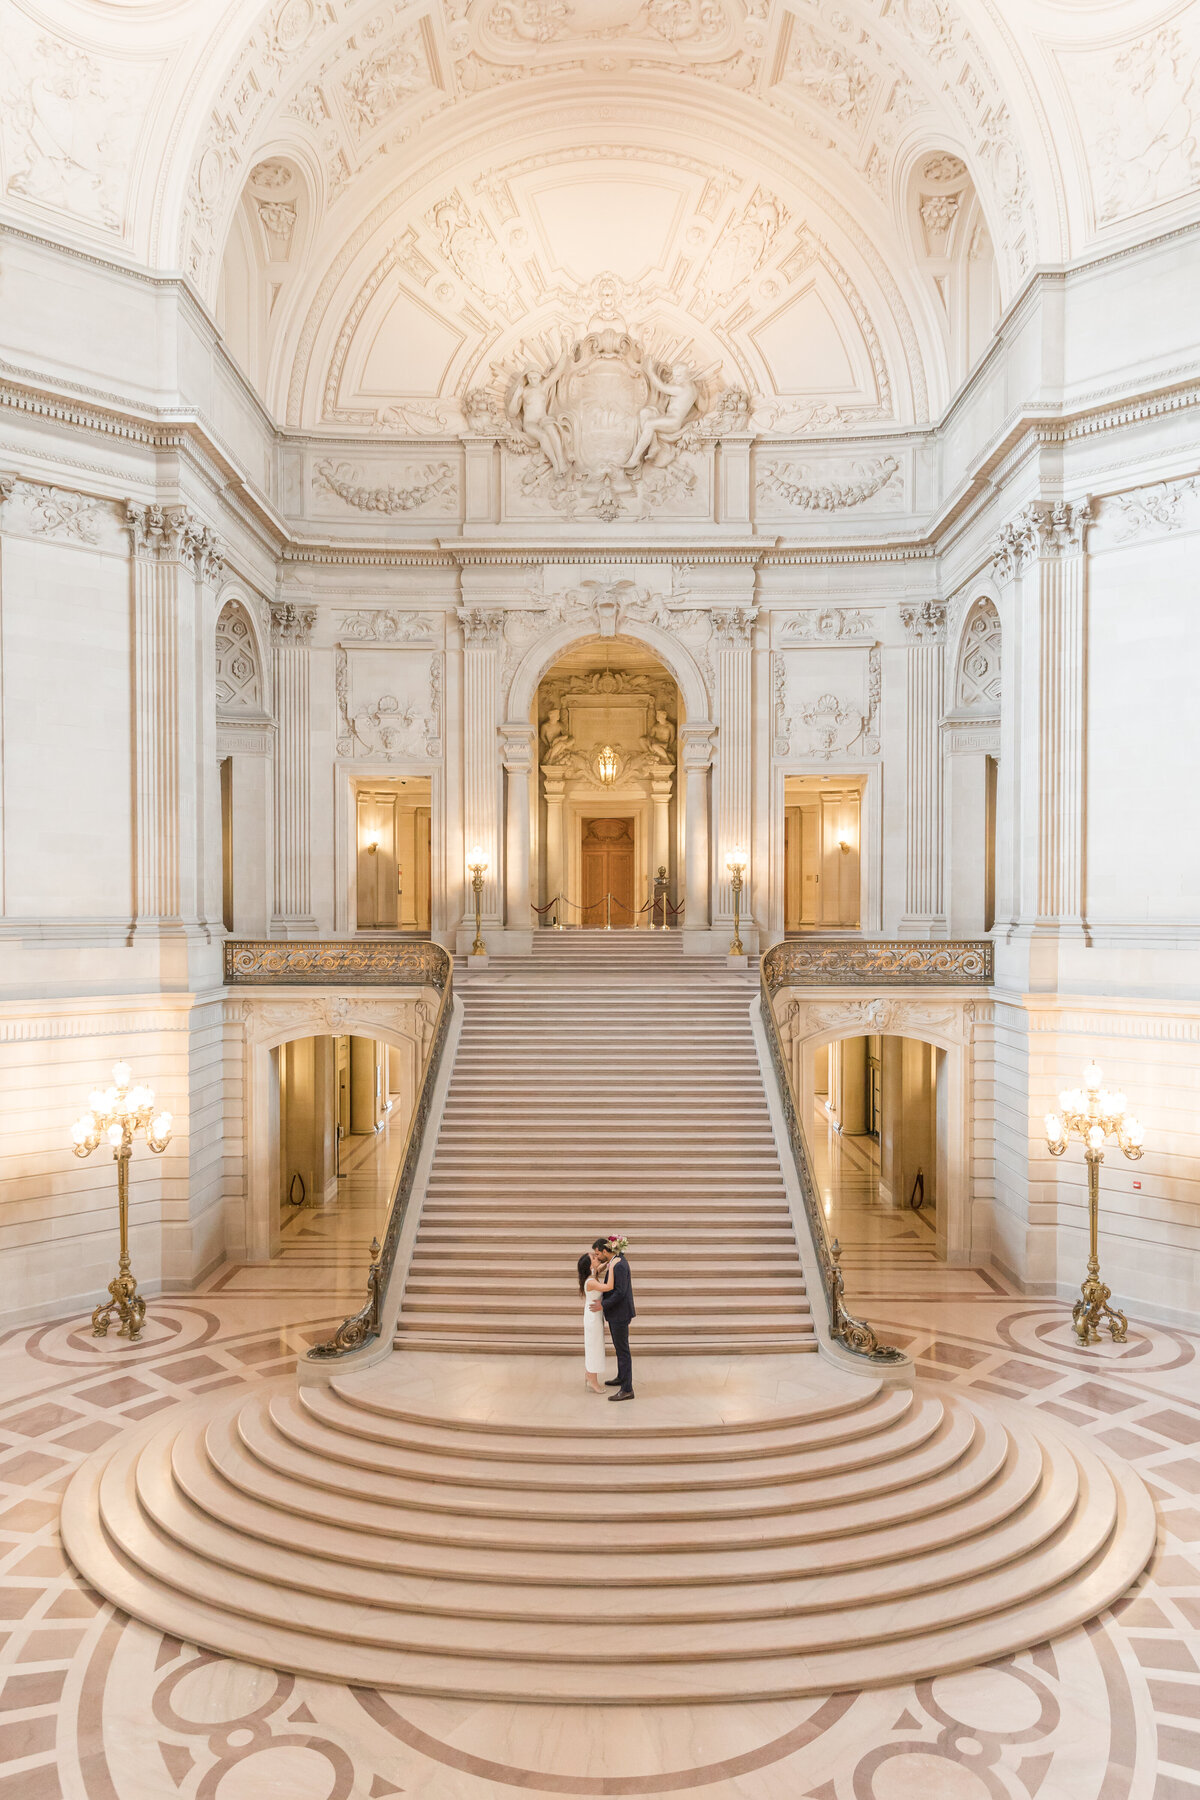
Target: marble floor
[(94, 1706)]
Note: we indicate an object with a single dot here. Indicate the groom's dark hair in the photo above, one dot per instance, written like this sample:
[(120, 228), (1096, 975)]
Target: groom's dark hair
[(601, 1244)]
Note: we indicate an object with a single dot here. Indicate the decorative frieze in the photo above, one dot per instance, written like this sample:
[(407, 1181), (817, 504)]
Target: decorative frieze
[(1164, 508), (795, 484), (386, 625), (832, 624), (425, 485)]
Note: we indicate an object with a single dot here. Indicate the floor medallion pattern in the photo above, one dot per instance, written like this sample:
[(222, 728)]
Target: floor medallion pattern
[(94, 1706)]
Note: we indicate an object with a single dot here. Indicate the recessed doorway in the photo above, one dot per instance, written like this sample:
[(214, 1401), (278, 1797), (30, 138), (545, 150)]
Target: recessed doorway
[(607, 866), (822, 835), (392, 836)]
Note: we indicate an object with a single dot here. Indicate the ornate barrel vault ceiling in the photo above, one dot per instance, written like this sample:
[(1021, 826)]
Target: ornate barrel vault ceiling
[(393, 208)]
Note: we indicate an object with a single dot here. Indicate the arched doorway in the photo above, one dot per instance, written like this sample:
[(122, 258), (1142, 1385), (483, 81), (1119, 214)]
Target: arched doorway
[(330, 1083), (877, 1121), (883, 1087), (338, 1114), (607, 715)]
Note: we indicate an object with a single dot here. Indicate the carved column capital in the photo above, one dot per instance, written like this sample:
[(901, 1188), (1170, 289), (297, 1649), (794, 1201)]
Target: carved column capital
[(924, 624), (482, 626), (733, 626), (292, 625), (156, 532), (696, 745), (517, 745), (7, 484), (202, 550), (1045, 528)]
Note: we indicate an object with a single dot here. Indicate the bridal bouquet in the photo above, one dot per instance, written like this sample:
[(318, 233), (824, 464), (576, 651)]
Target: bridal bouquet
[(619, 1244)]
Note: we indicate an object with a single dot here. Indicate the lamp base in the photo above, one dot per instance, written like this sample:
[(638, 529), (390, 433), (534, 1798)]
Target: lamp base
[(127, 1303), (1092, 1307)]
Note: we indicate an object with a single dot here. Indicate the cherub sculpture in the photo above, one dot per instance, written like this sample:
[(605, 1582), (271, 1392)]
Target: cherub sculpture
[(660, 428), (529, 407)]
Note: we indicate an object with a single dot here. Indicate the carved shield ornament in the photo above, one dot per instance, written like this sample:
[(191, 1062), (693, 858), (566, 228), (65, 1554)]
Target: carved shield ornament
[(599, 401)]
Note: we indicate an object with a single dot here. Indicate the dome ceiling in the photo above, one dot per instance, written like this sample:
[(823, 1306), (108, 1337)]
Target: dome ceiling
[(391, 207)]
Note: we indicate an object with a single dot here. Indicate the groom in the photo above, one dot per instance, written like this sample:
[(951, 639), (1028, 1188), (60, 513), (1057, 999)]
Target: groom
[(619, 1310)]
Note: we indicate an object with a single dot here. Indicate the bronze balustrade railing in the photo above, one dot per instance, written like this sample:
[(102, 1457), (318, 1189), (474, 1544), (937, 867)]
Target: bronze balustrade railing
[(310, 962), (854, 1335), (401, 963), (882, 962)]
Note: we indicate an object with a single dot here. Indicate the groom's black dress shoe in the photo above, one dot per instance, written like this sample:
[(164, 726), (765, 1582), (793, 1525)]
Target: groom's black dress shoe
[(624, 1394), (615, 1382)]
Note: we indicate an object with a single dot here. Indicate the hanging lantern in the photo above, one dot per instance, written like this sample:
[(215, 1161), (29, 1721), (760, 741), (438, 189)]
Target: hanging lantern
[(606, 765)]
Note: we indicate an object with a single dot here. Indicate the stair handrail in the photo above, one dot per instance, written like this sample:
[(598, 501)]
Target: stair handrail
[(366, 1324), (854, 1335)]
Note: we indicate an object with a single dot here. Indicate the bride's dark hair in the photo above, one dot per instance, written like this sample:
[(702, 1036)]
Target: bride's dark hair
[(584, 1267)]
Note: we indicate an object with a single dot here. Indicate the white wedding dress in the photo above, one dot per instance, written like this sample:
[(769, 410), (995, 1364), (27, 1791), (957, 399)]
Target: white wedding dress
[(593, 1335)]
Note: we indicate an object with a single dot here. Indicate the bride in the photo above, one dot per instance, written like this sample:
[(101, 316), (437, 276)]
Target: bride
[(591, 1268)]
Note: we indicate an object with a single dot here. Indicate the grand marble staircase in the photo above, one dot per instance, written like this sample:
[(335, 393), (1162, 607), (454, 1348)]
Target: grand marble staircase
[(760, 1524), (607, 1084)]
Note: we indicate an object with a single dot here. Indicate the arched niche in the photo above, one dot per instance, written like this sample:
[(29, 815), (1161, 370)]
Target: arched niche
[(263, 261), (977, 687), (241, 667), (953, 250), (245, 744)]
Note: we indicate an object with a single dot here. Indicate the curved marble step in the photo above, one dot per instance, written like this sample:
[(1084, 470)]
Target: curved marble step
[(346, 1535)]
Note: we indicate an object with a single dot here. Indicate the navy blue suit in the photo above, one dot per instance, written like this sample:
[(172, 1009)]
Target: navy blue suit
[(619, 1310)]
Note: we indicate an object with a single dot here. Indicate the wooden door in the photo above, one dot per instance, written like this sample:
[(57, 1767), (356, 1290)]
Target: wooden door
[(606, 861)]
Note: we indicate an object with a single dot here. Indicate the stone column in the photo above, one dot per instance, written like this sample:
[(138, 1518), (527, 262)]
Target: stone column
[(518, 746), (483, 637), (556, 850), (291, 632), (173, 557), (695, 743), (1042, 553), (925, 631), (660, 826), (733, 631)]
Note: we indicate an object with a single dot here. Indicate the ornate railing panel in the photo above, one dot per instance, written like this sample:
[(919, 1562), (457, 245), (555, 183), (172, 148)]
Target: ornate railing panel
[(363, 1326), (308, 962), (853, 1334), (881, 962)]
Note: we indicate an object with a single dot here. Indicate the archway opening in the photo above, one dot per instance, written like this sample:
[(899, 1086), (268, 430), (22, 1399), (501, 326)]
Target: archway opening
[(880, 1136), (338, 1114), (609, 850)]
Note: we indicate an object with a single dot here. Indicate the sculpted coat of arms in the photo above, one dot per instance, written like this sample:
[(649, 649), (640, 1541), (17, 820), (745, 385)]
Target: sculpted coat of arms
[(609, 421)]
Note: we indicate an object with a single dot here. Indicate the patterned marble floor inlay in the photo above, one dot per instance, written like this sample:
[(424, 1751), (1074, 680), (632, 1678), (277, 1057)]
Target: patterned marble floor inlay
[(94, 1706)]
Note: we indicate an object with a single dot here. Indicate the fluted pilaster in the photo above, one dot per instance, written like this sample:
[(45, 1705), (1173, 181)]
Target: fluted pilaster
[(925, 630), (733, 633), (291, 631), (483, 637), (175, 559), (1043, 553)]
